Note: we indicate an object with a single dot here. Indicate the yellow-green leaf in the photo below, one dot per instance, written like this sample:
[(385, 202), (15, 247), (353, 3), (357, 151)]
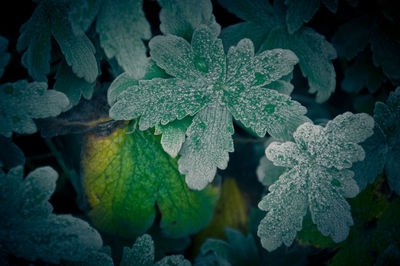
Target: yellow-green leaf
[(127, 173)]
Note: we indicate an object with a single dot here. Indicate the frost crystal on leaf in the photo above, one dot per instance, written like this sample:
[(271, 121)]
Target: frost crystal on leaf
[(212, 87), (265, 25), (50, 18), (21, 101), (142, 254), (31, 230), (122, 27), (318, 179)]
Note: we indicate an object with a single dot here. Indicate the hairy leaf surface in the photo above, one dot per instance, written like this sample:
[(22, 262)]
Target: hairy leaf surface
[(318, 180), (181, 18), (50, 18), (267, 28), (122, 27), (211, 87), (31, 230), (21, 101)]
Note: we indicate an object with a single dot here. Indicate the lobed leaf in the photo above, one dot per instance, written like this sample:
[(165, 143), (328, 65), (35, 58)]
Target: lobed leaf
[(318, 180), (50, 18), (206, 148), (181, 18), (126, 173), (31, 231), (122, 27), (21, 101), (72, 86)]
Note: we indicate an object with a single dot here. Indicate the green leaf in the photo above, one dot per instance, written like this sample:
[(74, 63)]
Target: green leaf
[(318, 180), (82, 13), (314, 52), (126, 173), (238, 250), (376, 149), (122, 27), (387, 116), (385, 48), (204, 78), (31, 231), (173, 135), (256, 11), (352, 37), (4, 56), (50, 18), (10, 154), (21, 101), (267, 172), (181, 18), (209, 139), (72, 86), (142, 254), (362, 73), (300, 12)]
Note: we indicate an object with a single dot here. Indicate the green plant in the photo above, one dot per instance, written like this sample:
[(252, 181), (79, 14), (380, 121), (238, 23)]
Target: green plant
[(143, 121)]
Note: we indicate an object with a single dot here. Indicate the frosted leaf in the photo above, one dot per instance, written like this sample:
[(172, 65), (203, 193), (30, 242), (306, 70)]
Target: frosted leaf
[(237, 250), (82, 13), (4, 56), (173, 260), (203, 60), (232, 34), (141, 253), (72, 86), (125, 81), (265, 110), (286, 154), (352, 37), (299, 12), (202, 76), (281, 86), (158, 101), (315, 54), (50, 18), (31, 231), (329, 209), (286, 205), (332, 5), (267, 172), (208, 142), (173, 135), (122, 27), (10, 154), (317, 179), (351, 128), (21, 101), (182, 17)]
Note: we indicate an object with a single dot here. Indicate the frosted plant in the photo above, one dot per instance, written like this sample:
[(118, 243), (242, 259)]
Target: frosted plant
[(318, 179), (21, 101), (212, 87)]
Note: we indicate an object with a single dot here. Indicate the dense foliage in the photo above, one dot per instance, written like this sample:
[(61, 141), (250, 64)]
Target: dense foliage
[(179, 132)]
